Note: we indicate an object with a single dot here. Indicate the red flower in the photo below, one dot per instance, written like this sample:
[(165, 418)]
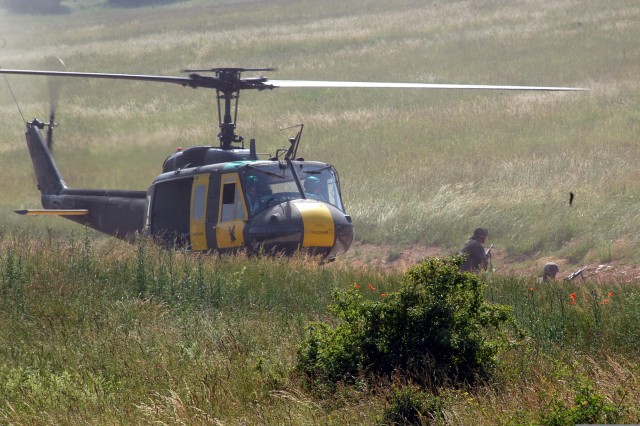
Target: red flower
[(604, 302), (573, 297), (610, 294), (531, 288), (356, 286), (383, 295), (372, 288)]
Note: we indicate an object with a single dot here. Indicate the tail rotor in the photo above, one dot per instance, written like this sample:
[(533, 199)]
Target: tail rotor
[(50, 125), (54, 97)]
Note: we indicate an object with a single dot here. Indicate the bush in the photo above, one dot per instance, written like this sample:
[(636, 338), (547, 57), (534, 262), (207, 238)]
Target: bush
[(589, 406), (410, 405), (437, 328)]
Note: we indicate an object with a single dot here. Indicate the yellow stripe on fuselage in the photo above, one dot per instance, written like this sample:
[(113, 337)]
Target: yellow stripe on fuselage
[(57, 212), (319, 230)]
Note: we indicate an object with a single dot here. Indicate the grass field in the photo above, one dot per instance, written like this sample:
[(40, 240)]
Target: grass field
[(438, 163), (96, 331), (109, 333)]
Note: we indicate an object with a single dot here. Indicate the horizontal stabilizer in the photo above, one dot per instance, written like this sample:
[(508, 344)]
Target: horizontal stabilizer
[(58, 212)]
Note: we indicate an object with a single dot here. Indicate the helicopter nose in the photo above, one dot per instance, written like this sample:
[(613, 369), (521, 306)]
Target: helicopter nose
[(313, 226), (317, 222), (344, 235)]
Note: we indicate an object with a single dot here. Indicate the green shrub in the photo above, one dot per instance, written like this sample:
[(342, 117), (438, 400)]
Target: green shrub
[(410, 405), (437, 328), (589, 406)]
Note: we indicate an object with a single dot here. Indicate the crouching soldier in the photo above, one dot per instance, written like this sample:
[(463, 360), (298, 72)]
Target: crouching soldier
[(476, 258)]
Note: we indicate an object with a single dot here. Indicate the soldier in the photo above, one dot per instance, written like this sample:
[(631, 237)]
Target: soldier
[(476, 257), (312, 186), (549, 272), (253, 195)]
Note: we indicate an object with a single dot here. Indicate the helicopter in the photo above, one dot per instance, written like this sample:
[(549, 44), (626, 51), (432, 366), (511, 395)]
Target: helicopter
[(218, 199)]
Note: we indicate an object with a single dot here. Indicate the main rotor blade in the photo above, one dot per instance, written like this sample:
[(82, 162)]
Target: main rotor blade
[(195, 80), (365, 84), (184, 81), (229, 69)]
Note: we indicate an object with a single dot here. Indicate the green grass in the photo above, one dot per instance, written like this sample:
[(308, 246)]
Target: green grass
[(439, 163), (102, 332)]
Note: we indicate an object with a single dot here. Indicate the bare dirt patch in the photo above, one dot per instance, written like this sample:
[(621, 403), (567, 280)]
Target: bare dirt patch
[(389, 258)]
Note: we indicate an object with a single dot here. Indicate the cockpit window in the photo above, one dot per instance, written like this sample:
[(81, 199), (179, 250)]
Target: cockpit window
[(269, 184)]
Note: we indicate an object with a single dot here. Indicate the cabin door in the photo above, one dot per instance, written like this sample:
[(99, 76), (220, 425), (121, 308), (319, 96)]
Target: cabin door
[(232, 214)]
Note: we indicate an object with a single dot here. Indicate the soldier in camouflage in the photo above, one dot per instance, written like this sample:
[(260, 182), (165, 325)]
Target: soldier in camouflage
[(476, 257), (549, 272)]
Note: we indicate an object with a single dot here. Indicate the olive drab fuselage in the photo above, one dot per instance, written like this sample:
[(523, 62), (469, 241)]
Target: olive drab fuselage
[(225, 214), (201, 203)]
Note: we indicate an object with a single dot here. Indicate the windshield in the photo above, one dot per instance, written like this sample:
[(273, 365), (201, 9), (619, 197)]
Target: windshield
[(269, 184)]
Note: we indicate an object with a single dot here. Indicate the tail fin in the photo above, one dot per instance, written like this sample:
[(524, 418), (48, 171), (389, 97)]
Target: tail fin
[(50, 181), (115, 212)]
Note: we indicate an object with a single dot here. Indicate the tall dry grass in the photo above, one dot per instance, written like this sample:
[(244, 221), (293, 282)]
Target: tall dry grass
[(438, 163), (102, 332)]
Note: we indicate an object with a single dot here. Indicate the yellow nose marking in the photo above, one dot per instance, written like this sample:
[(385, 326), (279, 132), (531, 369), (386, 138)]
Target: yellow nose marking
[(319, 230)]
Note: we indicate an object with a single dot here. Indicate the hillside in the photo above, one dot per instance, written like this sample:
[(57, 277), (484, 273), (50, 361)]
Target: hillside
[(417, 167)]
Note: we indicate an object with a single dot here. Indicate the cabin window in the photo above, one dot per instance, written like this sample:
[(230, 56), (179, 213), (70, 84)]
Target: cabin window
[(199, 197), (228, 201), (334, 196), (232, 208), (238, 209), (276, 185)]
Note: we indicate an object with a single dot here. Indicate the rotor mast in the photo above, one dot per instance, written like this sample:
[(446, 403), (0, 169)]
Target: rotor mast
[(228, 84), (227, 135)]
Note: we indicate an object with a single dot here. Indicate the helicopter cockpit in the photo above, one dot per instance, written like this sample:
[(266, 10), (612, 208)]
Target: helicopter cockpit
[(293, 205), (270, 184)]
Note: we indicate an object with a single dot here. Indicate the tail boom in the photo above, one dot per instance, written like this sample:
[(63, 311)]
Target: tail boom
[(119, 213)]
